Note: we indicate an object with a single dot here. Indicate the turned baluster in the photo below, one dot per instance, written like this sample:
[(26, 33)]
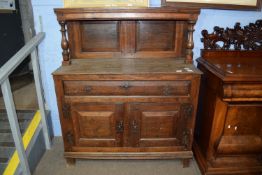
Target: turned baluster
[(190, 42), (64, 44)]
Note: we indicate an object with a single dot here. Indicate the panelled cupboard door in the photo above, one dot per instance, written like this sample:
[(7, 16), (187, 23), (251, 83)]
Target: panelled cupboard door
[(156, 125), (98, 124), (242, 132)]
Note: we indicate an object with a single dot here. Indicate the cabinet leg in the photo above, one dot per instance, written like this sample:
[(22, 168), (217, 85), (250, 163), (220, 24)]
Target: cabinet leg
[(70, 161), (186, 163)]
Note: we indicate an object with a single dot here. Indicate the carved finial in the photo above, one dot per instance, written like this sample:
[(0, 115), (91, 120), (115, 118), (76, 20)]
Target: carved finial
[(64, 44), (190, 42), (247, 38)]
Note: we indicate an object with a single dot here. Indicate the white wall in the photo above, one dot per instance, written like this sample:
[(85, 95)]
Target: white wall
[(50, 50)]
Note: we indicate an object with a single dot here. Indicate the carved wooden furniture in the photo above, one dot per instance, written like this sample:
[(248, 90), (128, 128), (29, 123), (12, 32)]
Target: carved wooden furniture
[(126, 89), (228, 136)]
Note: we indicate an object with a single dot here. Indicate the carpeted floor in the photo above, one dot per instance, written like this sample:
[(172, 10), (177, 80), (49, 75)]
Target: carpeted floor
[(54, 163)]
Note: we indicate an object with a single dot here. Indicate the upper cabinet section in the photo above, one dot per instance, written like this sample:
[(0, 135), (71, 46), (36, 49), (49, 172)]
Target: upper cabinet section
[(127, 33), (163, 13)]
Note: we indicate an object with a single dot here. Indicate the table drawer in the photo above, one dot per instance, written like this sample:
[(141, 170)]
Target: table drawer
[(244, 91), (132, 88)]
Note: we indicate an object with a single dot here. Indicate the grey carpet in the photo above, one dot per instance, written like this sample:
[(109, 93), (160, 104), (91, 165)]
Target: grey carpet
[(53, 163)]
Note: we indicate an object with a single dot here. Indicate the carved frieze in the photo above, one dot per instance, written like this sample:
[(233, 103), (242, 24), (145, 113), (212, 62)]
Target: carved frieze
[(238, 38)]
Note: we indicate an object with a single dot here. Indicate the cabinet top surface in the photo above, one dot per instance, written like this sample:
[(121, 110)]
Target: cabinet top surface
[(160, 13), (120, 66), (127, 9), (245, 69)]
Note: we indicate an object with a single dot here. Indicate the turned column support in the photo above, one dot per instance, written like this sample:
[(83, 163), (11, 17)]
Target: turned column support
[(64, 44), (190, 42)]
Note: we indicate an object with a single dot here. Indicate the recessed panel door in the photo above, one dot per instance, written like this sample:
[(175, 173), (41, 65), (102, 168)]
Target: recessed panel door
[(156, 125), (98, 124)]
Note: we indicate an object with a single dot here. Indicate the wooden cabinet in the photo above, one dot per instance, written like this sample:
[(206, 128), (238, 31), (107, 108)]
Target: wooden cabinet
[(228, 136), (126, 89)]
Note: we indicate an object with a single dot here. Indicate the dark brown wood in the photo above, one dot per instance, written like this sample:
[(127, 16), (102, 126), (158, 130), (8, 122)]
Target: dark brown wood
[(130, 88), (190, 42), (128, 33), (98, 14), (211, 5), (64, 44), (128, 92), (228, 137), (247, 38)]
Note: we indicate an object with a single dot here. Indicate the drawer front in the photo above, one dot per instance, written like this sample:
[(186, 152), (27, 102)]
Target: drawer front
[(243, 91), (132, 88)]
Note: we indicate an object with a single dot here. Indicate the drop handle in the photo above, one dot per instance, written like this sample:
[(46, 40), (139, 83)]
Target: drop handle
[(125, 86), (134, 126), (120, 127), (88, 89)]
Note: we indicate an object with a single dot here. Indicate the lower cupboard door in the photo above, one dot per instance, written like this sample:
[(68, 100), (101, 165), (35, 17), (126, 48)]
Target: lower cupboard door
[(156, 125), (98, 124), (242, 133)]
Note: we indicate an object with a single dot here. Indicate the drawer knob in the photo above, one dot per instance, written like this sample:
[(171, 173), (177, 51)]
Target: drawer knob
[(88, 89), (167, 91), (125, 86)]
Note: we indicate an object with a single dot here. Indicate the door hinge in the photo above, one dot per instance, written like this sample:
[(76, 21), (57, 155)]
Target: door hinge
[(134, 126), (187, 110), (186, 139), (70, 138), (66, 111)]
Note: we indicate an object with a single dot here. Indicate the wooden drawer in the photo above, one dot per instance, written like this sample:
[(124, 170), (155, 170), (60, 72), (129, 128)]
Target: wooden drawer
[(243, 91), (132, 88)]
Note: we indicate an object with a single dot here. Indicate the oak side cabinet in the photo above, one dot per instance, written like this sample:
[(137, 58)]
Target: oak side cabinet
[(127, 88)]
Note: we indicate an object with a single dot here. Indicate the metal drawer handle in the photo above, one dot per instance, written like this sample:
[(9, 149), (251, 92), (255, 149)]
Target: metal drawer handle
[(125, 86), (120, 127), (167, 91), (134, 126), (88, 89)]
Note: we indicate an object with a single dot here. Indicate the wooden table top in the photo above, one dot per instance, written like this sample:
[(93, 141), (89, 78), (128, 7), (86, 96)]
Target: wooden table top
[(244, 69), (127, 66)]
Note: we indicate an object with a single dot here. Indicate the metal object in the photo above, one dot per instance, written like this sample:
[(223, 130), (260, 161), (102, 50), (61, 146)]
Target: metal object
[(125, 86), (15, 60), (66, 110), (167, 91), (186, 138), (88, 89), (7, 5), (120, 127), (69, 137), (40, 97), (187, 110), (5, 71), (13, 121), (134, 126)]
